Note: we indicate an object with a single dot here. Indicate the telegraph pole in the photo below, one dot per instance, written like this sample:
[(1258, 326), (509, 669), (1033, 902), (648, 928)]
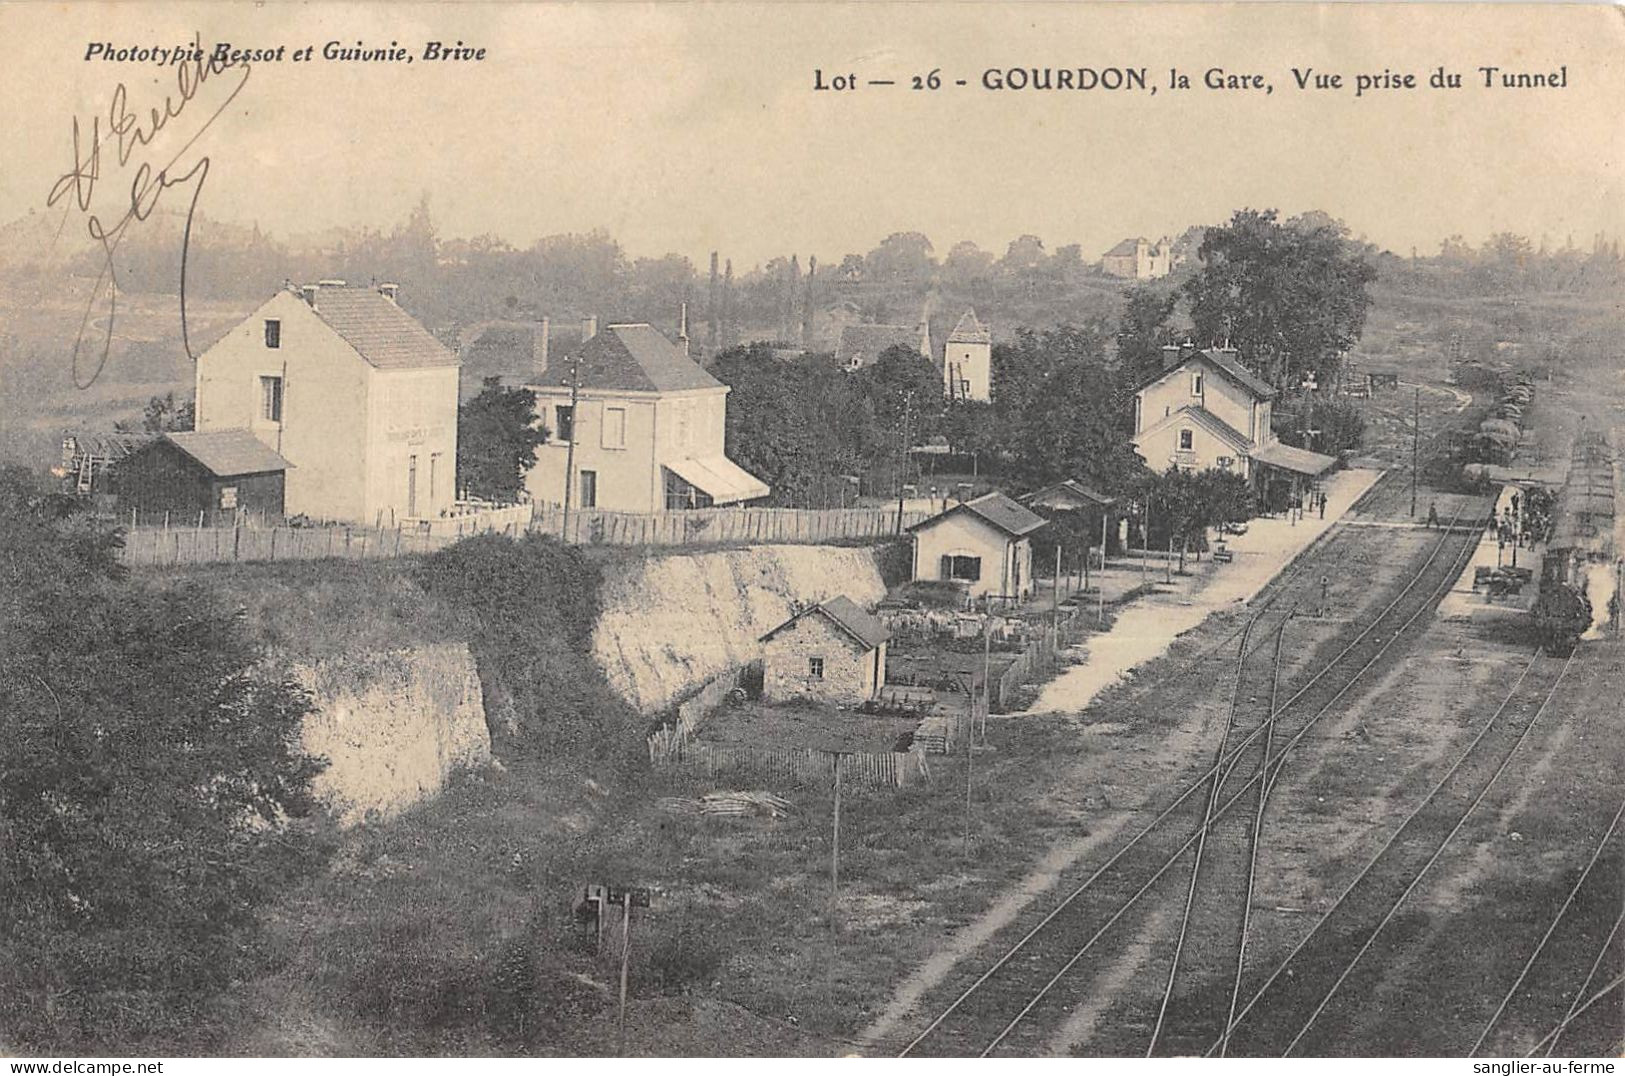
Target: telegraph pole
[(1416, 435), (902, 459), (570, 446), (835, 846)]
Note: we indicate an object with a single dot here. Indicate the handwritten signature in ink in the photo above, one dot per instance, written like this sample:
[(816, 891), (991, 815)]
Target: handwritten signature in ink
[(126, 134)]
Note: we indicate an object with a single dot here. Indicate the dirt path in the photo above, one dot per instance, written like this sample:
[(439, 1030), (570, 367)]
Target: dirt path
[(1147, 628), (965, 942)]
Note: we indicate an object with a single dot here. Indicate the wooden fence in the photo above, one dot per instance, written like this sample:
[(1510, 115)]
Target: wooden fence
[(148, 546), (718, 526)]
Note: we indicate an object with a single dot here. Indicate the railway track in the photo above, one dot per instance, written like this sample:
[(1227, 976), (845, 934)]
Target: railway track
[(1548, 989), (1210, 949), (1297, 1006), (1014, 1004)]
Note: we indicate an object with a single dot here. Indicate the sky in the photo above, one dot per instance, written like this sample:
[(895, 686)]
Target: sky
[(697, 127)]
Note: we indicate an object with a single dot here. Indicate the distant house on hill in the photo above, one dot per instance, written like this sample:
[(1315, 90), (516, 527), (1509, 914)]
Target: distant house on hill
[(1207, 410), (356, 395), (983, 544), (648, 427), (967, 360), (861, 345), (216, 475), (1140, 259), (832, 651)]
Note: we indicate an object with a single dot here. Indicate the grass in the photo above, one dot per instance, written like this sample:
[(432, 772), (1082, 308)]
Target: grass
[(318, 609), (450, 929)]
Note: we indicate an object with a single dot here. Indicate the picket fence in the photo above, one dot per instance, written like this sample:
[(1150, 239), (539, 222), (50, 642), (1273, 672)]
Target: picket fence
[(162, 546), (718, 526)]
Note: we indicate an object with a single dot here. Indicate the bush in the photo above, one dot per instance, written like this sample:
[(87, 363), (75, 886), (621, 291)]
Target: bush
[(684, 958), (153, 793), (534, 603), (895, 559)]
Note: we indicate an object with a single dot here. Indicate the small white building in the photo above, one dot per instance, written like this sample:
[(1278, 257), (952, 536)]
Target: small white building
[(982, 544), (356, 395), (648, 426), (967, 361), (832, 651)]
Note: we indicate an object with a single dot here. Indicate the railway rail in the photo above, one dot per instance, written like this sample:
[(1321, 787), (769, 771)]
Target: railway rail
[(1547, 977), (1014, 1001), (1212, 941), (1288, 1012)]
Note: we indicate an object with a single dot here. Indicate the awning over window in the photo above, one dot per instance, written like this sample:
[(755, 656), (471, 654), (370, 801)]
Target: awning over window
[(723, 480), (1299, 460)]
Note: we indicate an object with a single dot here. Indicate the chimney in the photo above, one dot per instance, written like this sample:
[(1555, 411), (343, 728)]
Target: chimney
[(308, 293), (540, 348), (682, 329), (389, 291), (331, 282), (589, 328)]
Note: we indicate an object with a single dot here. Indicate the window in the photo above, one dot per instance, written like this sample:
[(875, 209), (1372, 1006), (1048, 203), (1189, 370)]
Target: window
[(968, 569), (614, 427), (1225, 462), (434, 467), (228, 496), (815, 668), (589, 489), (273, 332), (1196, 384), (564, 422), (1186, 440), (271, 399), (411, 485)]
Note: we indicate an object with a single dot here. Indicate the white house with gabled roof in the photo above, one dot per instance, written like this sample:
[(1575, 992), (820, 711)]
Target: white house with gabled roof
[(356, 395), (648, 426), (983, 544), (1207, 410)]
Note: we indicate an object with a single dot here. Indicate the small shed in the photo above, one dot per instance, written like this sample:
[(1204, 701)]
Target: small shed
[(216, 472), (832, 651), (982, 543)]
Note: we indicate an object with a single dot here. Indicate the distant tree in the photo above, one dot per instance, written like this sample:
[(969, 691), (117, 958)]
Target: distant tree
[(1055, 399), (902, 257), (1023, 255), (798, 425), (966, 265), (497, 436), (1143, 332), (901, 378), (163, 415), (154, 797), (1325, 425), (1292, 298)]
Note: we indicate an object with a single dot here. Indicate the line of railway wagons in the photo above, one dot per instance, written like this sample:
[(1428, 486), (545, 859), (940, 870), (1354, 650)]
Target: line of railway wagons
[(1581, 544)]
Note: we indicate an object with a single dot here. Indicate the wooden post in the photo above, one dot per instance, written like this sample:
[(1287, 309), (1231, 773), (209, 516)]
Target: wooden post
[(626, 956), (1416, 434), (1055, 591), (835, 847)]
